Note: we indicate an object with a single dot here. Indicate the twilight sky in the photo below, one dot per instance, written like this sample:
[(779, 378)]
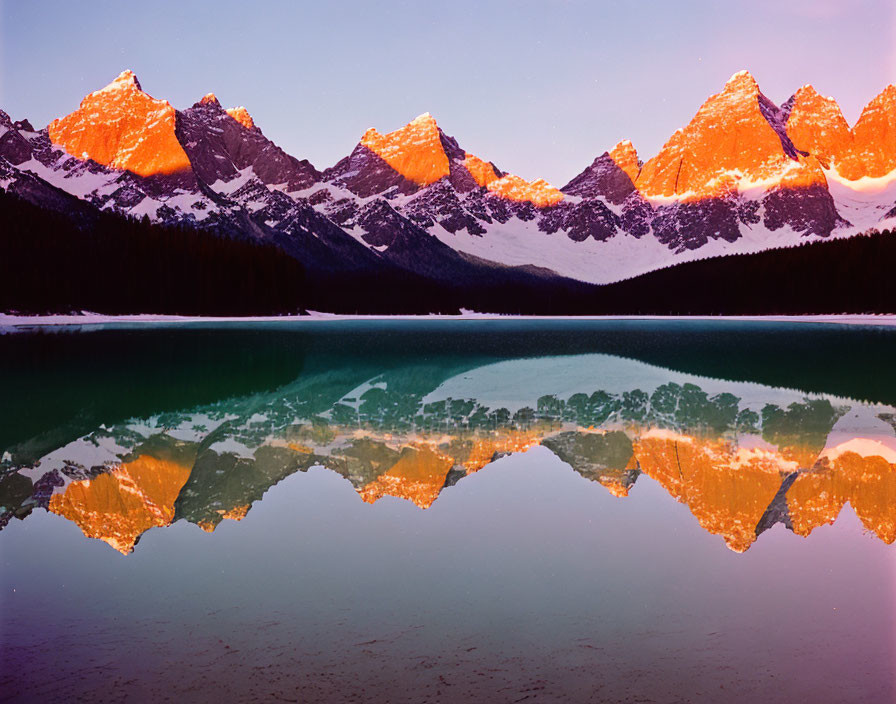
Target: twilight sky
[(540, 87)]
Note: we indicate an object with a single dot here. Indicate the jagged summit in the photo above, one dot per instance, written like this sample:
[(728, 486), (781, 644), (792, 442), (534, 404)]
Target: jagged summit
[(815, 124), (123, 127), (875, 134), (737, 135), (224, 145), (426, 120), (611, 175), (125, 80), (421, 154), (625, 156), (415, 151), (743, 79)]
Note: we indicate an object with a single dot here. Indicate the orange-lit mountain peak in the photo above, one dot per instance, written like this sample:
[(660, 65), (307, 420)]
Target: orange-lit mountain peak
[(123, 127), (875, 134), (615, 485), (815, 124), (740, 82), (481, 171), (625, 156), (119, 506), (538, 192), (241, 115), (808, 101), (425, 121), (731, 139), (209, 99), (415, 150), (125, 80), (886, 99)]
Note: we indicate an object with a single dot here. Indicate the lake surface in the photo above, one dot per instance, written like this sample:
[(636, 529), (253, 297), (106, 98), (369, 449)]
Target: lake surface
[(449, 511)]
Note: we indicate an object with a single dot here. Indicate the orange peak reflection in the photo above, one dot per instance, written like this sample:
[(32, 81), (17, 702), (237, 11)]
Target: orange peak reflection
[(616, 481), (726, 488), (868, 484), (121, 505), (418, 476), (122, 127), (237, 513), (484, 451)]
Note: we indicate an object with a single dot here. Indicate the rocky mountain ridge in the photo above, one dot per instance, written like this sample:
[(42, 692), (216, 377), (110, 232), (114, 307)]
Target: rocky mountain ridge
[(744, 175)]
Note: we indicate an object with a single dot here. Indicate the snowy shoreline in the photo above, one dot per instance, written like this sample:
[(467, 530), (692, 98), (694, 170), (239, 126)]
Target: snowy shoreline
[(14, 322)]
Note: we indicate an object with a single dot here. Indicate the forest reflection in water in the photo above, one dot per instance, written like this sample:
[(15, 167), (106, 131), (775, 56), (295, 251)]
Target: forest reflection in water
[(742, 456)]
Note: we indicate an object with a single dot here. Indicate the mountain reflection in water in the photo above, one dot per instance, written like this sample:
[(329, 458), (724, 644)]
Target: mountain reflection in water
[(741, 454)]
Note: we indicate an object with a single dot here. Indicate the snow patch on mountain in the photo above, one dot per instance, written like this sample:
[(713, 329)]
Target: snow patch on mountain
[(864, 202)]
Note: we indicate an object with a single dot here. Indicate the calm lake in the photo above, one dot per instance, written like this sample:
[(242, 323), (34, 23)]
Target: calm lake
[(498, 511)]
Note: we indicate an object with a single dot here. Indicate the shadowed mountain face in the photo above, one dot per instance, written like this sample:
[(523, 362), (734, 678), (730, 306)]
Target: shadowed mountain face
[(401, 413)]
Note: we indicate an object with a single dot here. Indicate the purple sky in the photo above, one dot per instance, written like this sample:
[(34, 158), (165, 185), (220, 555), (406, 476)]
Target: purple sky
[(538, 87)]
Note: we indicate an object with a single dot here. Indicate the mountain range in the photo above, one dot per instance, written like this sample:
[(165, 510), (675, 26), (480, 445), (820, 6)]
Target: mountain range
[(413, 207)]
